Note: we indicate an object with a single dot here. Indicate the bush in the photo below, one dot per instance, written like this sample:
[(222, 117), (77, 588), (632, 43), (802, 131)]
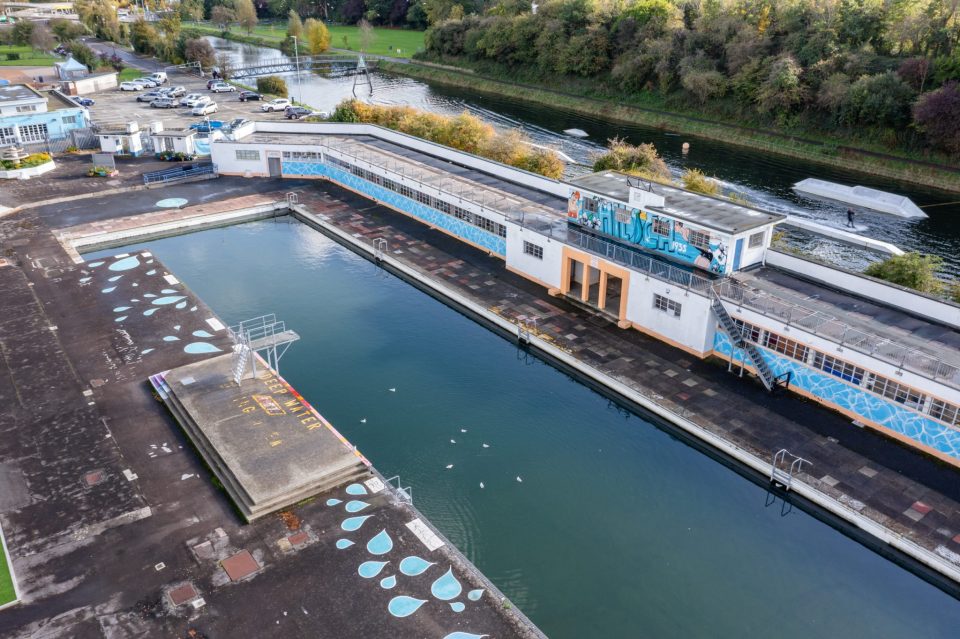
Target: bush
[(13, 56), (695, 180), (912, 270), (937, 113), (272, 85), (34, 159), (642, 160)]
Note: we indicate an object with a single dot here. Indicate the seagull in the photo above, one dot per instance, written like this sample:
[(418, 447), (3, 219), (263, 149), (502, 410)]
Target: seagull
[(486, 445), (481, 484), (519, 479), (392, 390), (449, 466), (453, 441), (363, 421)]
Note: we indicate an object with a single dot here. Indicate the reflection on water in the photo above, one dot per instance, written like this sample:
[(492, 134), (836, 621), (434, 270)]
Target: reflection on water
[(762, 178)]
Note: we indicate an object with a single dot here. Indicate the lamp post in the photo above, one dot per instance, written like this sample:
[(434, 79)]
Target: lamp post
[(296, 57)]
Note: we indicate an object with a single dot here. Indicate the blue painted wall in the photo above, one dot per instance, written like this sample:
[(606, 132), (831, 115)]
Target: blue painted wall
[(56, 127), (873, 408), (393, 199)]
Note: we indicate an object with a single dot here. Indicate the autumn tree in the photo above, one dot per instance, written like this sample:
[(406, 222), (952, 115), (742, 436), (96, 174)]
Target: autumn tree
[(222, 16), (246, 14), (294, 25), (317, 36)]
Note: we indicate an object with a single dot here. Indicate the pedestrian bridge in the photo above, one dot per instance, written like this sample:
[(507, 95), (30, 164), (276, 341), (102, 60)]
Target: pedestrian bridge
[(333, 64)]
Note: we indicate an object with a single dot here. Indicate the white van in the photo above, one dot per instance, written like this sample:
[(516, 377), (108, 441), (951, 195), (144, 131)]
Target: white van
[(159, 77)]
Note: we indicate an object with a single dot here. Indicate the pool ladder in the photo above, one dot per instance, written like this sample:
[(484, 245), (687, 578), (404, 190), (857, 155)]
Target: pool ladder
[(785, 465), (526, 328)]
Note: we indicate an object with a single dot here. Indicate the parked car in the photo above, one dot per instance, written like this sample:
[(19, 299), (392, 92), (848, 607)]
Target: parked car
[(175, 92), (207, 126), (213, 81), (149, 96), (277, 104), (205, 108), (297, 112), (159, 77), (250, 95), (190, 97), (236, 123), (200, 100), (87, 102), (131, 86), (147, 82), (164, 103), (223, 87)]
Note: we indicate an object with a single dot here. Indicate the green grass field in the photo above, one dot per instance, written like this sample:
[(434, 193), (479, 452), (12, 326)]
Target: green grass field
[(7, 593), (130, 73), (28, 57), (385, 41)]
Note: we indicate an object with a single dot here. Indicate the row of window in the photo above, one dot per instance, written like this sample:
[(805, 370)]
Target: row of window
[(301, 155), (423, 198), (248, 154), (666, 305), (851, 373), (533, 249)]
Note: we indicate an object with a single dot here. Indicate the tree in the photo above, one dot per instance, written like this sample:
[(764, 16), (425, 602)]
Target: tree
[(66, 30), (317, 35), (782, 90), (42, 38), (223, 65), (294, 25), (912, 270), (222, 16), (881, 100), (143, 37), (272, 85), (190, 10), (366, 35), (84, 55), (704, 85), (834, 93), (937, 113), (246, 14), (22, 31), (914, 71), (200, 50)]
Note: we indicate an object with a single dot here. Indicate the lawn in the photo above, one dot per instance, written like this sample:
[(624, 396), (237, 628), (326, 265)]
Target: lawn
[(130, 73), (385, 41), (28, 57), (7, 593)]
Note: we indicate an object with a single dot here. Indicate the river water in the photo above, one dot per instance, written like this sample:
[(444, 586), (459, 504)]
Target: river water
[(617, 529), (763, 179)]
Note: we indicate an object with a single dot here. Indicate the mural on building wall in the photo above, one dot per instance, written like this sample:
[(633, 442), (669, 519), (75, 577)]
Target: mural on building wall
[(890, 415), (637, 227)]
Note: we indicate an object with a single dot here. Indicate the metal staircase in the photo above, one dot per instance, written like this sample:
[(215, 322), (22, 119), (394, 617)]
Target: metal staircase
[(769, 380)]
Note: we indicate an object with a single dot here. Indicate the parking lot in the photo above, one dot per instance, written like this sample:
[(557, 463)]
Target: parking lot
[(115, 108)]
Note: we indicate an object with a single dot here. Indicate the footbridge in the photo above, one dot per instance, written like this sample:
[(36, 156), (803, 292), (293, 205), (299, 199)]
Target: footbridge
[(333, 64)]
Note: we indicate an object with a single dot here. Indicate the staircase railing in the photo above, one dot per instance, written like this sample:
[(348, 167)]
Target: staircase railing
[(760, 365)]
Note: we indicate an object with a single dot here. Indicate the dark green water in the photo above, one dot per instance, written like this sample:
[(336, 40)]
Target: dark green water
[(617, 529)]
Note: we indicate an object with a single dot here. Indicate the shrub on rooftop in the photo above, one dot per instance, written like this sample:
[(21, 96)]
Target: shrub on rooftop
[(641, 160), (912, 270)]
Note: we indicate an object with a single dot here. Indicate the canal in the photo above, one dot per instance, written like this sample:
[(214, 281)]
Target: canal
[(590, 519), (762, 178)]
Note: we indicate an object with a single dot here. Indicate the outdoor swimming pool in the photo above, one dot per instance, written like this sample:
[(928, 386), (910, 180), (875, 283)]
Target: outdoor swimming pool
[(593, 521)]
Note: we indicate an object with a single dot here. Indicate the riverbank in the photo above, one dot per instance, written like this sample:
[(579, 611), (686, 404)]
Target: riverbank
[(844, 157)]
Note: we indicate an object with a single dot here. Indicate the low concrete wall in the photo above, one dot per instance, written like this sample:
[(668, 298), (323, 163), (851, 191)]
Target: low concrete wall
[(899, 297), (29, 172)]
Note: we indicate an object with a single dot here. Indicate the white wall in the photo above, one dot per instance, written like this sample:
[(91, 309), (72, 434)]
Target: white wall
[(693, 329), (884, 293), (752, 256), (547, 270), (223, 155)]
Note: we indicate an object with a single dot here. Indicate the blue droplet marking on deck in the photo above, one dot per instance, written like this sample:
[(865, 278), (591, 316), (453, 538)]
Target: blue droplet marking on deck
[(121, 318), (152, 271), (109, 289), (146, 351), (353, 523), (404, 606), (330, 502), (125, 264), (388, 582), (182, 305), (149, 295), (456, 606), (172, 202), (121, 309), (150, 311), (344, 543), (114, 278), (464, 635), (171, 338), (195, 348), (355, 506), (356, 489), (412, 566), (203, 333), (474, 595), (381, 544), (84, 280), (446, 587), (169, 299), (370, 569), (169, 291), (95, 264)]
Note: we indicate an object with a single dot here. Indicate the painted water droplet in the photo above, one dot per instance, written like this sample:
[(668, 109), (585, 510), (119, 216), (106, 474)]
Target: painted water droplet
[(171, 338), (333, 502), (150, 311), (344, 543), (464, 635), (354, 523), (149, 295), (95, 264), (404, 606), (125, 264), (121, 309), (193, 308), (370, 569), (84, 280), (109, 289), (146, 351), (172, 203), (114, 278), (474, 595), (195, 348), (168, 299), (355, 506), (152, 271), (134, 299), (356, 489), (134, 285), (182, 305), (149, 261), (169, 291), (456, 606), (176, 327), (202, 333), (412, 566), (446, 587), (381, 544), (388, 582), (121, 318)]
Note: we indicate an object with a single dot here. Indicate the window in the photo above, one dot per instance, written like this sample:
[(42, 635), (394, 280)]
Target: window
[(834, 366), (661, 226), (749, 331), (70, 119), (246, 154), (945, 412), (895, 391), (624, 216), (699, 239), (666, 305), (788, 347), (7, 135), (589, 205), (532, 249), (33, 132), (27, 108), (756, 239)]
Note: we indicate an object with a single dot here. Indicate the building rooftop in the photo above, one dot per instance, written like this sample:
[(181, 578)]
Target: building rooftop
[(174, 133), (18, 93), (714, 213)]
